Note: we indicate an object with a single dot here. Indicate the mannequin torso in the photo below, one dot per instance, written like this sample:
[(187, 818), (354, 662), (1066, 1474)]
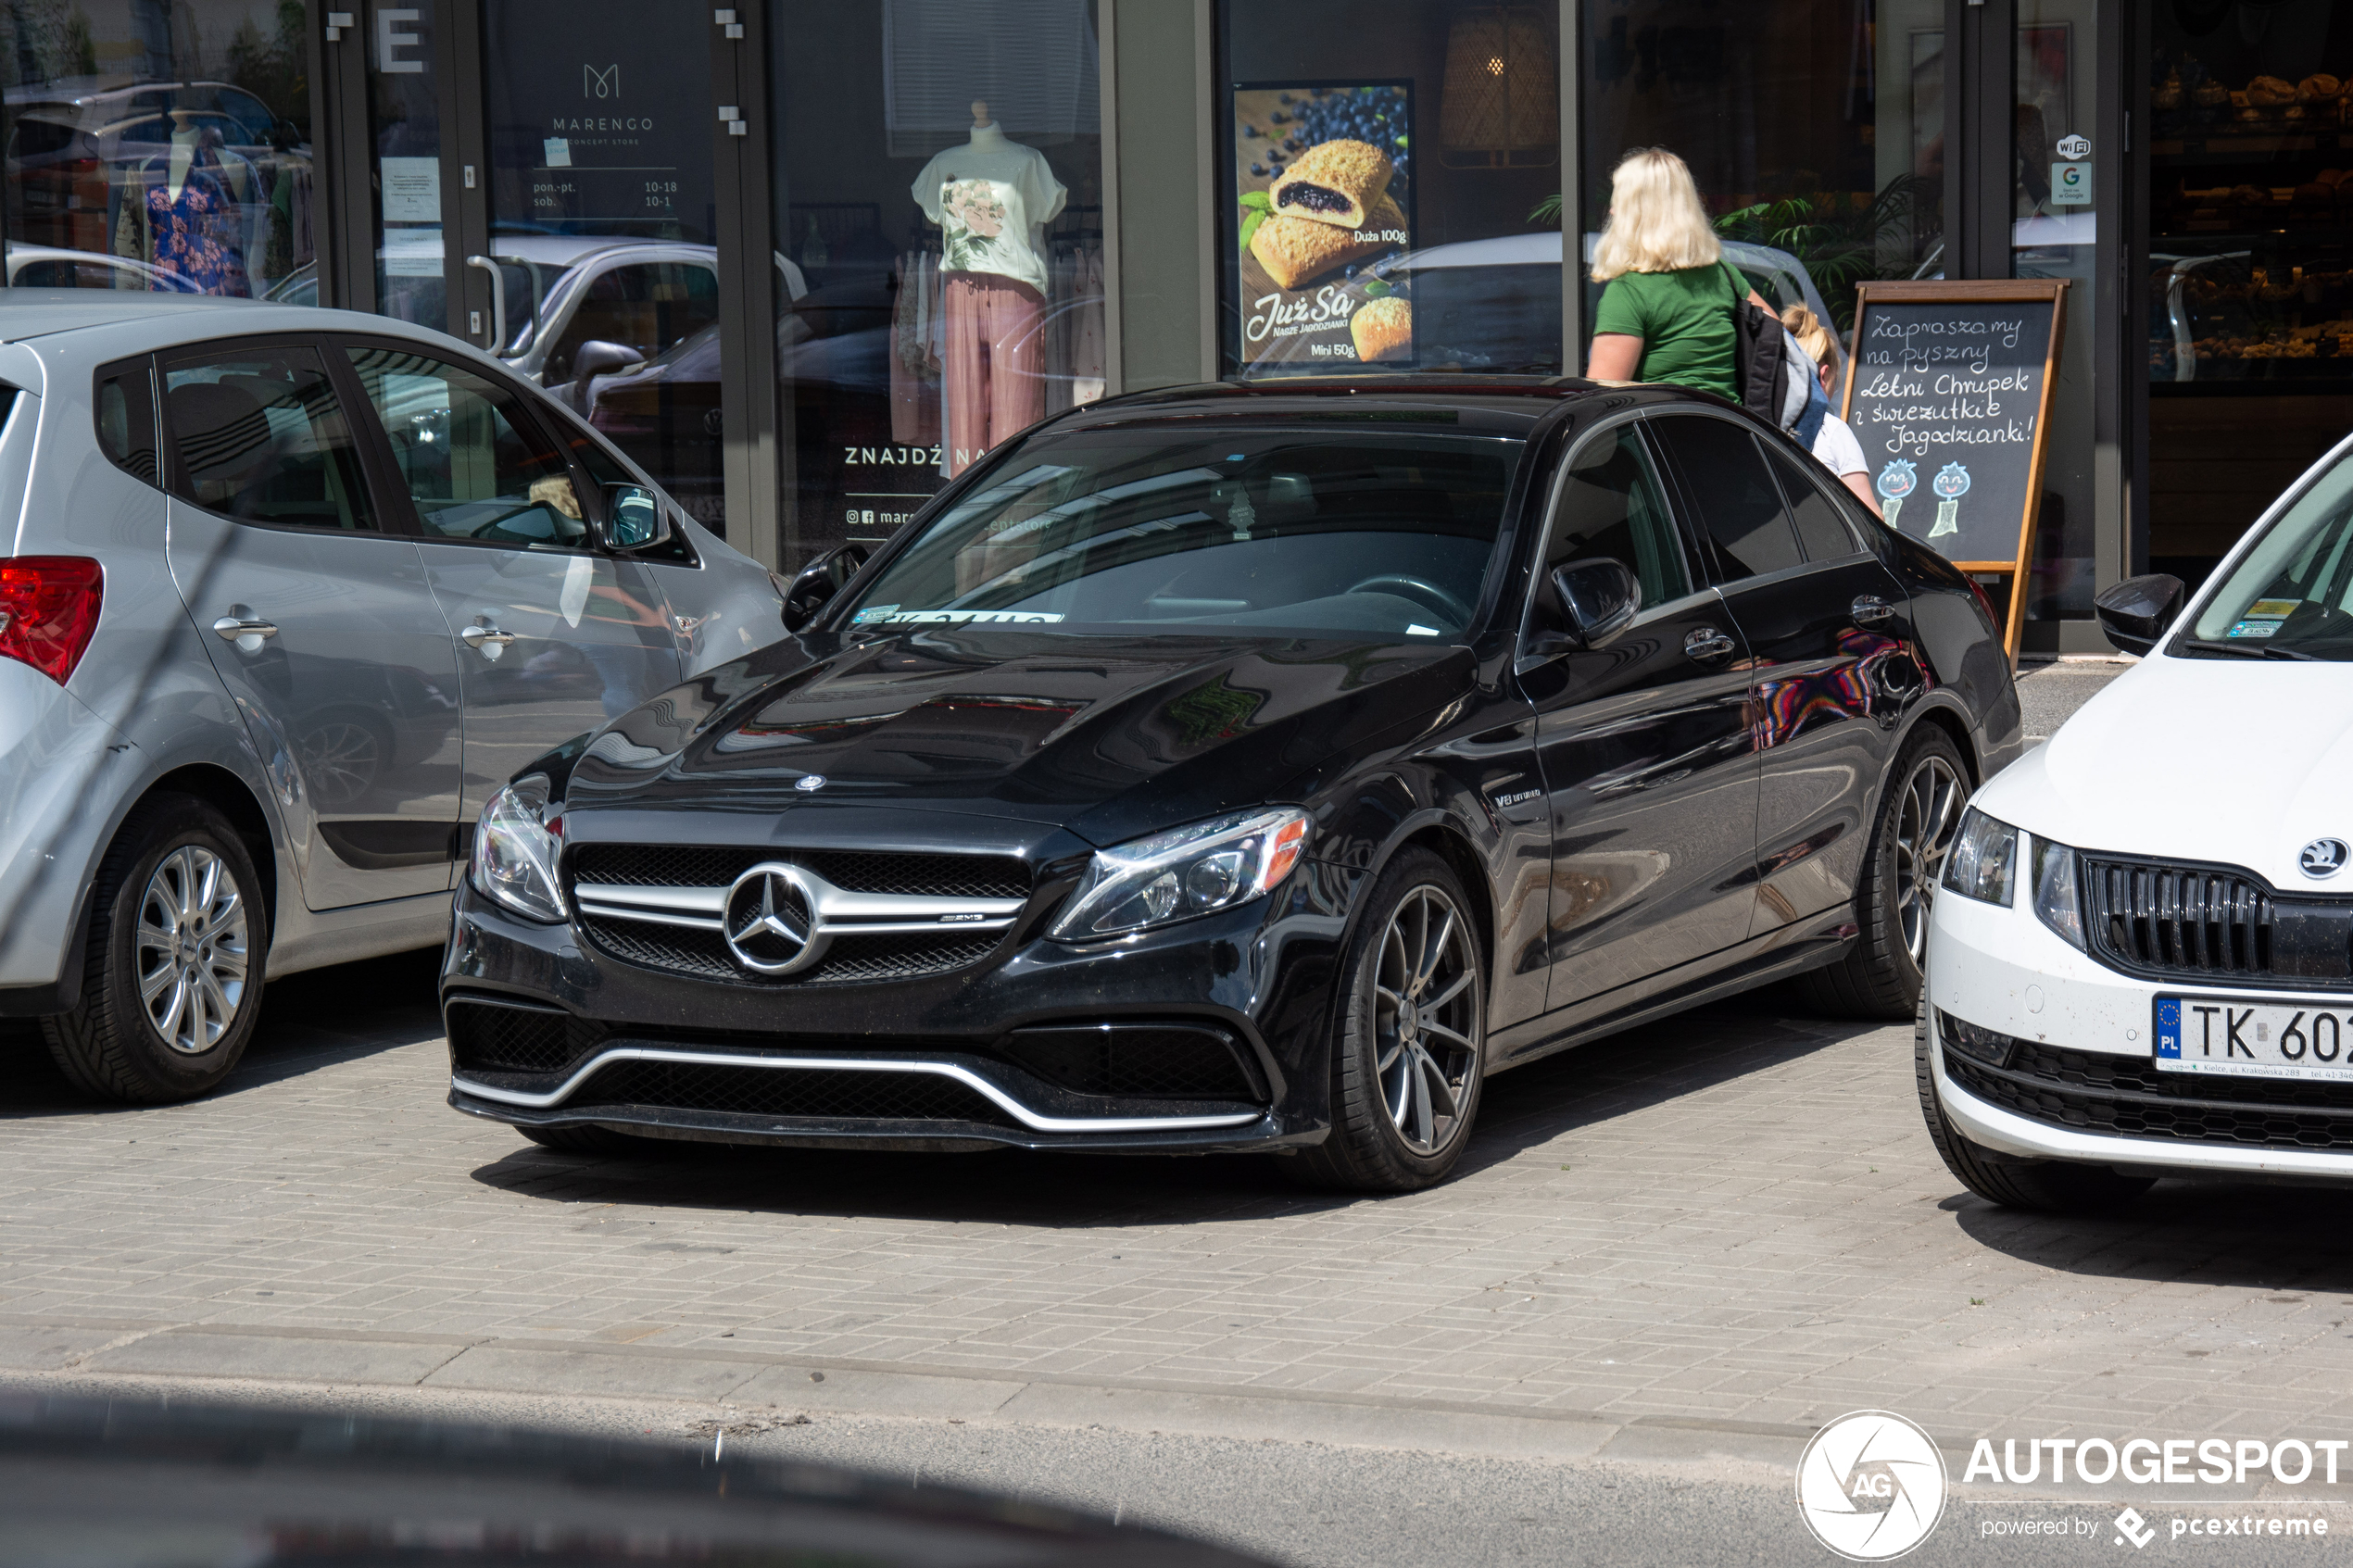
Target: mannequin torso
[(992, 198)]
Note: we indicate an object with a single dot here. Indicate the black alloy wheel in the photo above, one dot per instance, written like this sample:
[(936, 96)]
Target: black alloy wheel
[(2054, 1186), (171, 981), (1409, 1048), (1882, 975)]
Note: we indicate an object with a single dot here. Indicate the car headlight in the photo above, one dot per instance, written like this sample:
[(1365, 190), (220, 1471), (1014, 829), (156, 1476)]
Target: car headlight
[(2054, 896), (1183, 872), (515, 850), (1984, 858)]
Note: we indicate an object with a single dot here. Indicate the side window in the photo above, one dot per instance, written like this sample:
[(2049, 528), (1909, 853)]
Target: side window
[(258, 434), (1724, 474), (1821, 526), (646, 306), (475, 464), (126, 404), (1612, 504)]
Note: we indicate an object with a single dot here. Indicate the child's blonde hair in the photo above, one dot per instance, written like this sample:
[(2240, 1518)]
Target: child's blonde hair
[(1656, 223), (1811, 335)]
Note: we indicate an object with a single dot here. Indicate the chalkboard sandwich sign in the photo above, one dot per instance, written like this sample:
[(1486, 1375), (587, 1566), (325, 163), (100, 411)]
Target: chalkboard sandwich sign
[(1948, 388)]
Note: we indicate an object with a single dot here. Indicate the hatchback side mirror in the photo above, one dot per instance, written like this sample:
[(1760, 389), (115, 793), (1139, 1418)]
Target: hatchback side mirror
[(597, 357), (633, 520), (2135, 612), (815, 584)]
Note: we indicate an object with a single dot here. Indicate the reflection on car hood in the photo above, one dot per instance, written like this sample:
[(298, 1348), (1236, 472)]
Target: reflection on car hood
[(2239, 762), (1107, 735)]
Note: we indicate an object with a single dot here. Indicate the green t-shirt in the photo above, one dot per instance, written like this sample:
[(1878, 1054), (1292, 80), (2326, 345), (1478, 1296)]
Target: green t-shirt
[(1685, 321)]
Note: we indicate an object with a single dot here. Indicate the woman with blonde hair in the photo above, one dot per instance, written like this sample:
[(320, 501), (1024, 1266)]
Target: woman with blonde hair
[(1834, 445), (1666, 313)]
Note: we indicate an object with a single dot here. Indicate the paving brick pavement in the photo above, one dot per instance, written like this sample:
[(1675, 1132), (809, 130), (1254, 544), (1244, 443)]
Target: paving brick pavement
[(1732, 1219)]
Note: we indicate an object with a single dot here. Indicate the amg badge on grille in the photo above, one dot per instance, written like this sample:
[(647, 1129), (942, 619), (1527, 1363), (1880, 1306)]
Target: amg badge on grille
[(2323, 856)]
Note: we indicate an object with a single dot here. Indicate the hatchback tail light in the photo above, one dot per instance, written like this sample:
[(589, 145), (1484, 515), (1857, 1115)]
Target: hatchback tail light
[(1986, 604), (48, 610)]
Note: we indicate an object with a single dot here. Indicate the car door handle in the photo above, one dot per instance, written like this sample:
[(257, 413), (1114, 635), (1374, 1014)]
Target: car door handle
[(483, 636), (1707, 643), (231, 628), (1870, 610)]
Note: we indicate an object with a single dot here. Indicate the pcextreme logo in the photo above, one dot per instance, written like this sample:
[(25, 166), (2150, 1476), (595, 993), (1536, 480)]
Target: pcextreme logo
[(1870, 1485)]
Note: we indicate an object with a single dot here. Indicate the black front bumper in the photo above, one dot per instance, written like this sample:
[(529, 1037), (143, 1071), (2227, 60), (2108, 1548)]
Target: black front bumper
[(940, 1063)]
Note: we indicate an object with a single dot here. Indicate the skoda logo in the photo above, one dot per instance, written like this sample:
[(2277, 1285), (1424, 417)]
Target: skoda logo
[(2323, 856), (768, 921), (1872, 1486)]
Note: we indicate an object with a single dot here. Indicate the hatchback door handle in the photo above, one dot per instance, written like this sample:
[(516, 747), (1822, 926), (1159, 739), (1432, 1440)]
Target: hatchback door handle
[(484, 635), (231, 628), (1707, 643), (1869, 610)]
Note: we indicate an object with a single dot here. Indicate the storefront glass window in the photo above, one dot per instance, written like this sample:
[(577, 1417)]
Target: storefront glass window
[(158, 147), (939, 246), (2251, 275), (1815, 132), (602, 228), (1390, 184), (404, 116), (2055, 167)]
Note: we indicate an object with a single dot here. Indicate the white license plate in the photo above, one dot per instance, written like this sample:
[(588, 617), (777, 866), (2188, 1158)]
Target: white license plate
[(2247, 1038)]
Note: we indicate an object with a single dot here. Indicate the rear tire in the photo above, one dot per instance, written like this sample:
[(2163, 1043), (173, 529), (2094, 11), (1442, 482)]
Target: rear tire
[(172, 972), (1409, 1042), (2054, 1186), (1880, 975)]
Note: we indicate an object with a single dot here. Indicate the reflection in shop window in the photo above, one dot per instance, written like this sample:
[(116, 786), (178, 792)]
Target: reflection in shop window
[(938, 246), (1816, 133), (1389, 176), (157, 149)]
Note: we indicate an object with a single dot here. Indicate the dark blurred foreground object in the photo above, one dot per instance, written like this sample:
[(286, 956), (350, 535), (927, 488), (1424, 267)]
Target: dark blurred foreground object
[(97, 1483)]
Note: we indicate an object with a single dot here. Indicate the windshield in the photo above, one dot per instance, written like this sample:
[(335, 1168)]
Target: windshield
[(2293, 593), (1372, 530)]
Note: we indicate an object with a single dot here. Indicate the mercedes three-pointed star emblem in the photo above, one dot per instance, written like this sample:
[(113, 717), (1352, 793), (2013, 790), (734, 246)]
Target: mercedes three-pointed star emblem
[(769, 920)]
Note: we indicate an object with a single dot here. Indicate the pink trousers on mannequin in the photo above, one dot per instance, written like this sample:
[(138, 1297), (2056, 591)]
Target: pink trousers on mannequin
[(994, 360)]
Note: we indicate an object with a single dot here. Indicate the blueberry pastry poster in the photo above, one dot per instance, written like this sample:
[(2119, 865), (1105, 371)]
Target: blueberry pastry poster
[(1323, 193)]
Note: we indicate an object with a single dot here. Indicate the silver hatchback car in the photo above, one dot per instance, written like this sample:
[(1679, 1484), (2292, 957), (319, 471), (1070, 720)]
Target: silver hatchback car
[(286, 594)]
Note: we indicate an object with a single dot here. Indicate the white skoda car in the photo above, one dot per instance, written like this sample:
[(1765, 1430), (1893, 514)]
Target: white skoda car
[(2140, 960)]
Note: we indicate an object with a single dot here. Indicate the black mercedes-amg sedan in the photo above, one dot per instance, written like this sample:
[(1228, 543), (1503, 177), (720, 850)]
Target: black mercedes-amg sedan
[(1245, 767)]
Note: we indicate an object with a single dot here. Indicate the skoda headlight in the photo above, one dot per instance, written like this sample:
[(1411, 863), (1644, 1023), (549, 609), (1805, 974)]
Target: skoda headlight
[(2056, 899), (1984, 858), (515, 850), (1183, 872)]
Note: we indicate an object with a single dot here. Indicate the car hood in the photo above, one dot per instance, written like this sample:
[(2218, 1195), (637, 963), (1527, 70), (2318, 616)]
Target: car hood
[(1107, 736), (2238, 761)]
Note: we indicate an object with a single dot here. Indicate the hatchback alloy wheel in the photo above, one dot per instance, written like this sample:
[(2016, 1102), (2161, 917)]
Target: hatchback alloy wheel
[(1926, 818), (192, 950), (1426, 1016)]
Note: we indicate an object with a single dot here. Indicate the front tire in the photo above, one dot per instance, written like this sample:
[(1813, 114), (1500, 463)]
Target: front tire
[(2054, 1186), (1882, 975), (1409, 1045), (171, 981)]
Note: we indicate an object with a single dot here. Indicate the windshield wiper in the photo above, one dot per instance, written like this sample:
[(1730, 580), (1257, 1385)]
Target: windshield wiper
[(2247, 650)]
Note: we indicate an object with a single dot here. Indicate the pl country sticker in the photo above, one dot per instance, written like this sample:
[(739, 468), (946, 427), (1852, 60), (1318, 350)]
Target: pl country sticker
[(1951, 483), (1896, 481)]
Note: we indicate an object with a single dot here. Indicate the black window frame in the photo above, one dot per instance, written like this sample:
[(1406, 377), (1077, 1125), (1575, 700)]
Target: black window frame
[(1777, 462), (1539, 599), (1696, 530), (384, 522)]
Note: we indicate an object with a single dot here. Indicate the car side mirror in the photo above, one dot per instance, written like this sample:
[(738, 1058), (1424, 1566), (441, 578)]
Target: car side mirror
[(815, 584), (2135, 612), (597, 357), (1597, 597), (633, 520)]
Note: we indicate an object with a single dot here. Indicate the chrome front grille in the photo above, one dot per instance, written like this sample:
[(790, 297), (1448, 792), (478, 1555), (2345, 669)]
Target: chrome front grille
[(857, 917)]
